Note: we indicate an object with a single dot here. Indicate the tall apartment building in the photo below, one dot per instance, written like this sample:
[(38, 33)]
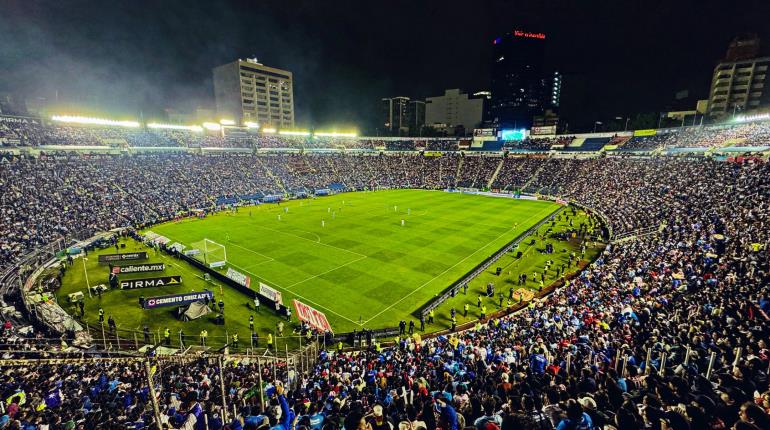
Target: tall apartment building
[(454, 108), (395, 112), (739, 81), (248, 91), (522, 87)]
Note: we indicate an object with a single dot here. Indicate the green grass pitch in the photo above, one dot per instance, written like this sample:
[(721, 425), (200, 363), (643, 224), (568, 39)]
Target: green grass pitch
[(347, 255)]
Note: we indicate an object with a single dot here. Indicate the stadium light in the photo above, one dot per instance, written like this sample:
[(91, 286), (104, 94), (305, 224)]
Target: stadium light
[(175, 126), (335, 134), (93, 121), (249, 124), (294, 133), (749, 118), (211, 126), (226, 122), (268, 130)]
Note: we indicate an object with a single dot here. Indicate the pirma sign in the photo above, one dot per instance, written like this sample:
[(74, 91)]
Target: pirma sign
[(162, 281)]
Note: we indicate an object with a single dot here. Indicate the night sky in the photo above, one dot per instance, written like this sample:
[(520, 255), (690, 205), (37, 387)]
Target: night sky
[(618, 57)]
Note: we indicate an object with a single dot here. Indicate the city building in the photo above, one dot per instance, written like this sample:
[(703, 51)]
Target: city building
[(416, 117), (522, 88), (248, 91), (395, 112), (454, 109), (738, 82)]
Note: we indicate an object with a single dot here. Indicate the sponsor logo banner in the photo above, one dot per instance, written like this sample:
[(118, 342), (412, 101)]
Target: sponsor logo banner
[(270, 293), (543, 130), (177, 299), (162, 281), (106, 258), (238, 277), (314, 318), (647, 132), (191, 252), (140, 268), (18, 119)]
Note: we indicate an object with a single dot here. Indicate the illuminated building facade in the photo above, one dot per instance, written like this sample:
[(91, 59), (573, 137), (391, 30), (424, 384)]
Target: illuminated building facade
[(522, 88), (247, 91), (738, 85)]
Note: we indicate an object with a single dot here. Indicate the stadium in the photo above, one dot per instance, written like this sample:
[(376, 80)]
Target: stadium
[(223, 274)]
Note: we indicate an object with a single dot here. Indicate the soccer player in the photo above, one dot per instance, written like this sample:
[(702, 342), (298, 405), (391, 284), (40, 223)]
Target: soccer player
[(256, 304), (402, 223)]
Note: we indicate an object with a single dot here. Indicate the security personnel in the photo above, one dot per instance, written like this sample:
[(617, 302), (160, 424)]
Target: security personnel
[(251, 322), (221, 306), (411, 326), (483, 312), (270, 341), (254, 339), (478, 301), (465, 309), (101, 315), (339, 346), (422, 322), (146, 332), (203, 335), (454, 323), (111, 323), (430, 316), (235, 340), (167, 336)]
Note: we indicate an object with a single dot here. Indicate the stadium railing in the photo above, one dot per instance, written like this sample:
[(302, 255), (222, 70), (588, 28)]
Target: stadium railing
[(453, 289)]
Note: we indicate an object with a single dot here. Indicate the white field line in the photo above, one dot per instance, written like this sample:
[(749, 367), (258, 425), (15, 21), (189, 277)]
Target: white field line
[(538, 214), (253, 252), (310, 240), (323, 273), (305, 299)]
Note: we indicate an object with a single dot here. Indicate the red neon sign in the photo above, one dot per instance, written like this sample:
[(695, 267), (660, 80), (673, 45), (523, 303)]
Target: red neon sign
[(520, 33)]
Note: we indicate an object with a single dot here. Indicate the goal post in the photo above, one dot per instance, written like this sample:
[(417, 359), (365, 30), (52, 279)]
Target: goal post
[(213, 254)]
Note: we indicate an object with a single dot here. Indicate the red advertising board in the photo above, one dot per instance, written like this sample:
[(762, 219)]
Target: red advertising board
[(314, 318)]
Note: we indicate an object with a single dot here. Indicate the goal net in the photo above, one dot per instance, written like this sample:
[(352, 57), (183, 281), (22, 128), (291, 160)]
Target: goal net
[(211, 253)]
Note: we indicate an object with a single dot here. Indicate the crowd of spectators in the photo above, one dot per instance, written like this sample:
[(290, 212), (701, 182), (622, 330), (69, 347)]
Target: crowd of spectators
[(627, 344)]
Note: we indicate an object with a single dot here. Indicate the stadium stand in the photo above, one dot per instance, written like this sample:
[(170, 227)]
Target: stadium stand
[(668, 328)]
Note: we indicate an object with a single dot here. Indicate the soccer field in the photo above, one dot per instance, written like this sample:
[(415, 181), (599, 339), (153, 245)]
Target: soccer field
[(362, 267)]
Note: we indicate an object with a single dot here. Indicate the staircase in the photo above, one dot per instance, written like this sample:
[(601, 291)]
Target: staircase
[(457, 173), (497, 171), (534, 175), (273, 177)]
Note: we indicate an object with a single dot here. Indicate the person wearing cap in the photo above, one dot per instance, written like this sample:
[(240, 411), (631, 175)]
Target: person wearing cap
[(377, 420)]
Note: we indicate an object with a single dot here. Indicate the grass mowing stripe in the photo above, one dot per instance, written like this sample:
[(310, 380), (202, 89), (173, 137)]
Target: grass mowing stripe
[(455, 265)]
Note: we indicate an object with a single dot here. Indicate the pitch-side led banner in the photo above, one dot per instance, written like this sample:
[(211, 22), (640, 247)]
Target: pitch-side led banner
[(270, 293), (314, 318), (238, 277), (177, 299), (106, 258)]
